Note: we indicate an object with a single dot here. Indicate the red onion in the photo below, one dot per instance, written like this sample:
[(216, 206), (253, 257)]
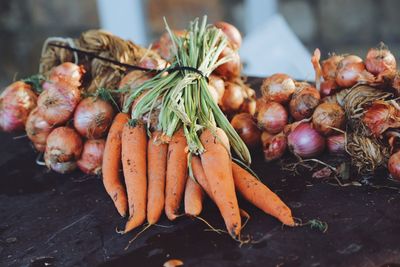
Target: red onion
[(93, 117), (67, 72), (328, 116), (336, 144), (92, 156), (380, 60), (305, 141), (233, 98), (218, 85), (231, 32), (63, 149), (37, 129), (272, 117), (58, 101), (232, 68), (394, 165), (304, 101), (278, 88), (16, 102), (380, 116), (351, 70), (329, 67), (274, 146), (246, 127)]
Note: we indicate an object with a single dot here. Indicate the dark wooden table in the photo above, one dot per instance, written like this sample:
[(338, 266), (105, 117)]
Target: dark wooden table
[(69, 220)]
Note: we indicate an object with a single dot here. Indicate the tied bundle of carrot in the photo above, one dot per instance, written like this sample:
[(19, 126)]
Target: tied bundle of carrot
[(176, 146)]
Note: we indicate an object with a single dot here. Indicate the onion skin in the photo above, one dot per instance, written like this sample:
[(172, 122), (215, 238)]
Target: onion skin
[(231, 69), (326, 116), (58, 102), (394, 165), (305, 141), (93, 117), (335, 144), (246, 127), (63, 149), (272, 117), (329, 67), (233, 98), (92, 156), (67, 72), (37, 129), (278, 88), (16, 102), (231, 32), (380, 61), (274, 146), (304, 101)]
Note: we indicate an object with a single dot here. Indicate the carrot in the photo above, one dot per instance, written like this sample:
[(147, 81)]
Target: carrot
[(156, 171), (193, 198), (217, 166), (176, 174), (134, 156), (200, 176), (260, 195), (112, 163)]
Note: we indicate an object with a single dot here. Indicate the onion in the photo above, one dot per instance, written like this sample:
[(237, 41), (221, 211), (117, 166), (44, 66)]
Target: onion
[(351, 70), (329, 67), (304, 101), (249, 106), (394, 165), (92, 156), (380, 116), (16, 102), (328, 116), (305, 141), (218, 85), (152, 63), (232, 68), (63, 149), (67, 72), (231, 32), (272, 117), (37, 129), (130, 82), (336, 144), (164, 45), (213, 93), (274, 146), (58, 101), (247, 129), (328, 88), (233, 98), (396, 83), (380, 60), (278, 87), (93, 117)]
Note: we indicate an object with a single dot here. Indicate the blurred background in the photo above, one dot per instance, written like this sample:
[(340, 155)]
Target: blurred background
[(279, 35)]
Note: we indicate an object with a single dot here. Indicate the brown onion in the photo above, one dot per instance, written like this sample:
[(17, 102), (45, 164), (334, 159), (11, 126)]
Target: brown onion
[(328, 116), (274, 146), (336, 144), (67, 72), (130, 82), (218, 85), (233, 98), (304, 101), (37, 129), (249, 106), (93, 117), (231, 32), (272, 117), (351, 70), (58, 102), (380, 60), (63, 149), (278, 88), (305, 141), (92, 156), (16, 102), (380, 116), (213, 93), (394, 165), (329, 67), (232, 68), (246, 127)]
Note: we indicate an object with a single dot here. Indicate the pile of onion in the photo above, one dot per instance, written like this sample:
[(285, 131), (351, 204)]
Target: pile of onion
[(327, 117), (247, 129), (272, 117), (37, 129), (305, 141), (63, 149), (304, 101), (92, 156), (278, 88), (274, 146), (16, 102)]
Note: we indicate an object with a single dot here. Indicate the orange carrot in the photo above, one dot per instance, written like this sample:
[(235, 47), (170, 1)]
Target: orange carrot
[(112, 163), (260, 195), (176, 174), (193, 198), (134, 156), (156, 171), (200, 176), (217, 166)]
